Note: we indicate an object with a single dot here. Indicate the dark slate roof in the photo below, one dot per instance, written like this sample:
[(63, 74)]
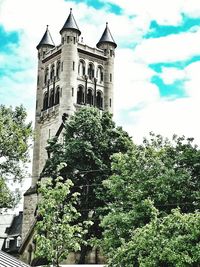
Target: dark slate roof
[(13, 232), (16, 226), (8, 261), (106, 37), (46, 39), (71, 23)]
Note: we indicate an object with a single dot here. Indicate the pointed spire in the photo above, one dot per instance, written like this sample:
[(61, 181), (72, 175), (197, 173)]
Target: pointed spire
[(46, 39), (70, 23), (106, 37)]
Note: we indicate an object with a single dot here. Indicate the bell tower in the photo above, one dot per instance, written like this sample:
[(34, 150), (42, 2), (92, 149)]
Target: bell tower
[(70, 75)]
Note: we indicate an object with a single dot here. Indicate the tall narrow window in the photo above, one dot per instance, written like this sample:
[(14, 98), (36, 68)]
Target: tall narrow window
[(91, 71), (72, 91), (99, 100), (19, 241), (51, 99), (81, 68), (80, 95), (100, 74), (110, 102), (45, 101), (30, 251), (110, 77), (90, 97), (7, 243), (73, 65), (52, 73), (58, 70), (46, 76), (57, 96)]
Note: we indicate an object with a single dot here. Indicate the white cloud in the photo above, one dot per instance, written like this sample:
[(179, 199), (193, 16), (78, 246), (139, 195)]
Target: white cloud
[(193, 80), (166, 118), (174, 47), (164, 12), (170, 75), (132, 81)]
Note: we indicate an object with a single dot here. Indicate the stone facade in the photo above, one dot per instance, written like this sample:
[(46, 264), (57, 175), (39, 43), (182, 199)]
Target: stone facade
[(70, 75)]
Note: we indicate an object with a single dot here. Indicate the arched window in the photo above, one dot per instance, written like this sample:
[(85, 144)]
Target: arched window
[(90, 71), (81, 68), (45, 101), (80, 95), (57, 96), (58, 70), (51, 99), (90, 97), (46, 76), (52, 73), (100, 74), (99, 100)]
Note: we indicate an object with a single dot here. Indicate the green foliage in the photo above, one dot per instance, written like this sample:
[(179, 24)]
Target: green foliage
[(170, 241), (90, 139), (7, 198), (14, 137), (151, 178), (57, 231)]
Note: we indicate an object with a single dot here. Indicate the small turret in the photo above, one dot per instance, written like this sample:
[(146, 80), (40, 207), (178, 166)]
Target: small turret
[(106, 38), (108, 45), (70, 24), (69, 53), (46, 40)]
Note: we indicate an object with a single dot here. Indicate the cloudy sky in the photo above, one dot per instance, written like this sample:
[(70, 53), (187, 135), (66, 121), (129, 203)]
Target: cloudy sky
[(157, 70)]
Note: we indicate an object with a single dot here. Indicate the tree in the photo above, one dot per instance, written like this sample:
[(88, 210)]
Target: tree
[(173, 240), (157, 175), (57, 230), (90, 138), (14, 143)]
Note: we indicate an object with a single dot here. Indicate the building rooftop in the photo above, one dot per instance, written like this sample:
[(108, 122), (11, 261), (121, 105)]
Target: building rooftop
[(7, 260), (6, 220), (46, 39), (70, 23), (106, 37)]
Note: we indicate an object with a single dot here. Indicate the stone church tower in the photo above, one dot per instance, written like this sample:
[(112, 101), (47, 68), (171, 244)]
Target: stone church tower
[(70, 75)]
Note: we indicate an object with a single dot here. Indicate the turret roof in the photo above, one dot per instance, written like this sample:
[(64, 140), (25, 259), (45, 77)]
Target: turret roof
[(46, 39), (106, 37), (70, 23)]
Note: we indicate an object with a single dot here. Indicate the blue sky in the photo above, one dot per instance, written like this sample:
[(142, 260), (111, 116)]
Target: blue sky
[(157, 61)]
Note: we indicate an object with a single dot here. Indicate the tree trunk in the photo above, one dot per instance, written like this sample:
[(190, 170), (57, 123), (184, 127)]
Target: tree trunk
[(83, 254)]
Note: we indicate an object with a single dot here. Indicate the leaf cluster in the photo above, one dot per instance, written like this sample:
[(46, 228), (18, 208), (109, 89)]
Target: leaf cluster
[(150, 179), (57, 231), (15, 134), (90, 139), (173, 240)]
